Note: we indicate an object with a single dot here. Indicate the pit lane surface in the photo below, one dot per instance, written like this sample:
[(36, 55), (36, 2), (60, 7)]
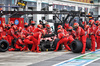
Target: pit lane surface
[(67, 56), (38, 59), (15, 58)]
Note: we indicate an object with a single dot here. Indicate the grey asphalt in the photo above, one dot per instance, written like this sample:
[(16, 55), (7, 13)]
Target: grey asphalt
[(56, 60), (18, 58), (13, 58), (95, 63), (61, 58)]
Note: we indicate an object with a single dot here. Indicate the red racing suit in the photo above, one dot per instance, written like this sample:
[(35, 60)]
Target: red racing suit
[(37, 33), (36, 39), (28, 40), (86, 33), (72, 33), (25, 32), (96, 35), (98, 38), (63, 40), (31, 28), (18, 44), (10, 35), (70, 37), (80, 34), (4, 34), (1, 36), (91, 32), (48, 31)]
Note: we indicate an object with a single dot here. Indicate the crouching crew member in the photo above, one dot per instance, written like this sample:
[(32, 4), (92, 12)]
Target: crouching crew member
[(63, 40)]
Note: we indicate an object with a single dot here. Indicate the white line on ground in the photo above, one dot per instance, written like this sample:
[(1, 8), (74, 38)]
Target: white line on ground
[(76, 57), (91, 62)]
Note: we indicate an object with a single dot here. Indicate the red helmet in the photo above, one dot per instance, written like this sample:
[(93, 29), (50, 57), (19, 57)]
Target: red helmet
[(70, 27), (8, 25), (83, 22), (76, 24), (47, 26), (32, 22), (59, 30), (91, 21), (97, 22), (66, 25), (39, 26), (20, 28), (12, 22), (59, 27), (1, 29), (15, 27), (26, 24), (86, 26)]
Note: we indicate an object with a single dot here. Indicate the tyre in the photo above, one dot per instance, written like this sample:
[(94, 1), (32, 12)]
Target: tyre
[(46, 45), (76, 46), (55, 44), (88, 43), (4, 45)]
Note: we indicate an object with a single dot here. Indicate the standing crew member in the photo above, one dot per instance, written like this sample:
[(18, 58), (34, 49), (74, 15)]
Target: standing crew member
[(98, 37), (80, 35), (37, 33), (91, 32)]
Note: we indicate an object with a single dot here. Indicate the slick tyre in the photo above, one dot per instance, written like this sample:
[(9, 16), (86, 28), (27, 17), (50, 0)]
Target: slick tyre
[(45, 47), (88, 43), (4, 45), (76, 46)]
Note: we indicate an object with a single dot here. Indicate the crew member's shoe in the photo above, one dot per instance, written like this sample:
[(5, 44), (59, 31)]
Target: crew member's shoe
[(12, 49), (38, 51), (97, 48), (55, 50), (82, 52)]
